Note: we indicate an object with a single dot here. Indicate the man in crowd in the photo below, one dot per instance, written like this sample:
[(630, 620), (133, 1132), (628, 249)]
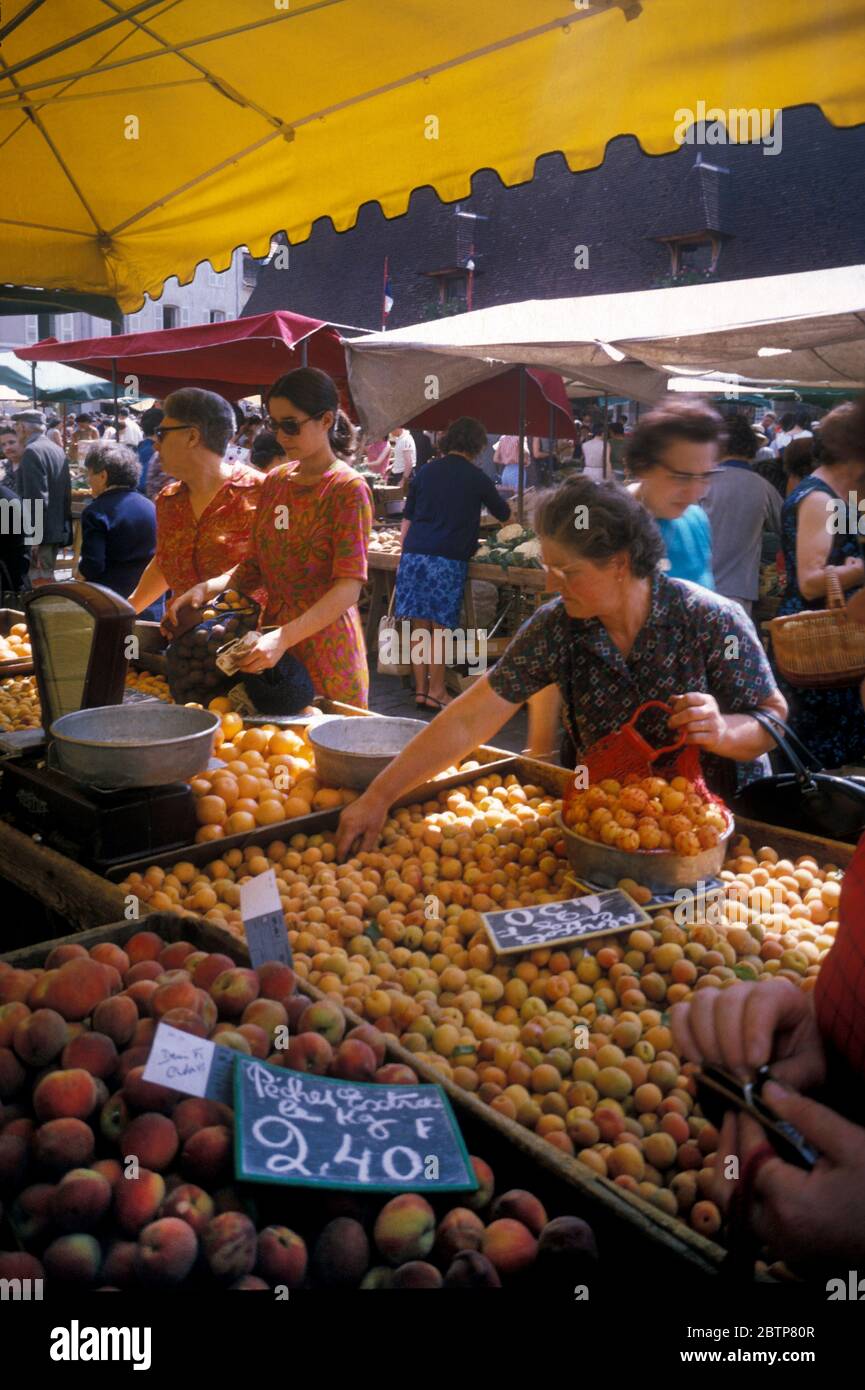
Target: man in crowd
[(10, 452), (740, 505), (43, 480), (128, 428)]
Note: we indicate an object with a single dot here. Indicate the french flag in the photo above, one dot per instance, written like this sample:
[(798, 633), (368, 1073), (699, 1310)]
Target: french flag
[(387, 296)]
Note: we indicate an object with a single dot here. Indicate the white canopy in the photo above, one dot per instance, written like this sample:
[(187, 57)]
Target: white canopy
[(804, 329)]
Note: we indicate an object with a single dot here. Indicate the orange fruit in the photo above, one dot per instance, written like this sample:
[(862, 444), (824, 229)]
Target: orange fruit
[(246, 803), (232, 724), (226, 787), (255, 739), (327, 799), (295, 805), (247, 786), (220, 705), (208, 832), (284, 741), (269, 812), (240, 821), (211, 810), (200, 785)]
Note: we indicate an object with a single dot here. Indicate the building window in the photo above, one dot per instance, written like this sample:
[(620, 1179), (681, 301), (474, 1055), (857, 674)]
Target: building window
[(32, 328), (170, 316), (217, 316), (67, 328)]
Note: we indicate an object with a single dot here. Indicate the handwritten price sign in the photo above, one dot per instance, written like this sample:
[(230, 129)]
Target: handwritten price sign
[(563, 923)]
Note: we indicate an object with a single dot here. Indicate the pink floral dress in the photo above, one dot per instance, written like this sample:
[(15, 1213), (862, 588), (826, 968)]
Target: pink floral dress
[(305, 537)]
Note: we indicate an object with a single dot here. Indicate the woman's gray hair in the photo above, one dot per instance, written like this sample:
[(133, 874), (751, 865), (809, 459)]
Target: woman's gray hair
[(598, 521), (118, 461), (211, 415)]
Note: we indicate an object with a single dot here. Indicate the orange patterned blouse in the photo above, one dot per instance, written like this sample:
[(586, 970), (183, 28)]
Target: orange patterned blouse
[(189, 550), (306, 536)]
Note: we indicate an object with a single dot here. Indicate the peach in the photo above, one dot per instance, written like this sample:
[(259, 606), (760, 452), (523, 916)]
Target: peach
[(130, 1058), (176, 955), (118, 1268), (567, 1252), (309, 1052), (191, 1204), (206, 1010), (145, 1032), (207, 1154), (40, 1036), (144, 970), (509, 1245), (167, 1250), (405, 1228), (521, 1206), (276, 981), (177, 994), (59, 955), (267, 1014), (249, 1281), (69, 1094), (325, 1018), (417, 1274), (259, 1043), (12, 1074), (81, 1199), (230, 1246), (10, 1016), (340, 1257), (137, 1200), (78, 987), (233, 990), (15, 986), (372, 1037), (210, 969), (196, 1112), (15, 1123), (141, 994), (144, 945), (396, 1074), (472, 1270), (152, 1139), (63, 1144), (231, 1037), (110, 1170), (379, 1277), (14, 1151), (282, 1256), (30, 1214), (354, 1061), (17, 1264), (73, 1259), (146, 1095), (193, 960), (36, 997), (483, 1195), (92, 1052), (460, 1229), (107, 953), (116, 1018), (185, 1020)]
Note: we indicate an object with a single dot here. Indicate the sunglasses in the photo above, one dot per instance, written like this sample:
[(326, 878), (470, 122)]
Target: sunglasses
[(162, 430), (690, 477), (292, 427)]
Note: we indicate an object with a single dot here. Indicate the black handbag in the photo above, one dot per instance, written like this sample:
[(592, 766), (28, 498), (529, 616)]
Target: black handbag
[(807, 798)]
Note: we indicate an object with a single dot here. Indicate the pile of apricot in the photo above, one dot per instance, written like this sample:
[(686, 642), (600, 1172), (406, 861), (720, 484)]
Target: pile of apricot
[(648, 813)]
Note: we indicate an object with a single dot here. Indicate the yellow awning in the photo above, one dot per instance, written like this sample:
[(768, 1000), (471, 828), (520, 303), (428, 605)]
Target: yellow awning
[(139, 138)]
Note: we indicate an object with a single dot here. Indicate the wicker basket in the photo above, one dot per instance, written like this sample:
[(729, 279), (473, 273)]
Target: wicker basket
[(821, 647)]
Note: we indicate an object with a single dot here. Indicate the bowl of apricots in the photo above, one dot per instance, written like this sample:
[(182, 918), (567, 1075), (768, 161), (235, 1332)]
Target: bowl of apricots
[(664, 834)]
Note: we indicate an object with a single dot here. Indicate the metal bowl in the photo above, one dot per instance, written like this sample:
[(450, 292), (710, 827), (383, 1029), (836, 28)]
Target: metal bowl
[(351, 752), (655, 869), (115, 747)]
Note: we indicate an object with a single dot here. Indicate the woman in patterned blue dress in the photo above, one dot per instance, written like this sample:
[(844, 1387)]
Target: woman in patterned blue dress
[(619, 633), (440, 527), (816, 536)]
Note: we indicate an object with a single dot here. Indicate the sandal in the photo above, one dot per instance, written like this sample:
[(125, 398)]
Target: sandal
[(433, 703)]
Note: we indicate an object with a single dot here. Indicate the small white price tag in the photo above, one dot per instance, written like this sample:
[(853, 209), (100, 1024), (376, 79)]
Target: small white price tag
[(195, 1066), (264, 921)]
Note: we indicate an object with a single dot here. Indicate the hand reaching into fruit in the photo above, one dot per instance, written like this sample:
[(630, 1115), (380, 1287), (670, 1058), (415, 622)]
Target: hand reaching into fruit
[(744, 1027), (360, 826), (697, 716), (803, 1216)]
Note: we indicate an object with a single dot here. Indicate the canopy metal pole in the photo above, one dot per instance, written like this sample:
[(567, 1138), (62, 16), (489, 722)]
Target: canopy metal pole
[(33, 381), (114, 392), (304, 354), (607, 462), (521, 476), (552, 455)]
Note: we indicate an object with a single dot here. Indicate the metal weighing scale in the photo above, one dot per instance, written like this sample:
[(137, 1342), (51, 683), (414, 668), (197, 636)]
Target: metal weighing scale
[(79, 635)]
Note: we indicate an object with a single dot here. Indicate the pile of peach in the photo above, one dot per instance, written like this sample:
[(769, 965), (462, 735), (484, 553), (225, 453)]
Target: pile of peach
[(572, 1043), (74, 1109), (649, 813)]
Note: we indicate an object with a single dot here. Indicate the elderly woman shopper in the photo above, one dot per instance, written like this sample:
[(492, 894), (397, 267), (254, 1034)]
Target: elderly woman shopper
[(618, 634), (118, 528), (307, 545), (204, 517), (440, 535), (817, 540)]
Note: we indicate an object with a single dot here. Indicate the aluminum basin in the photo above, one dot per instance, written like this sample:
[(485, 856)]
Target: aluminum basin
[(351, 752), (655, 869), (115, 747)]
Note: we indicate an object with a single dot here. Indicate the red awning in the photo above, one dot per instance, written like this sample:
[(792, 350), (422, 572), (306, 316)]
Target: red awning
[(236, 358), (496, 402)]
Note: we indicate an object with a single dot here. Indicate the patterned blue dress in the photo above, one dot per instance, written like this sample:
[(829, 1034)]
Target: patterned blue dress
[(829, 722)]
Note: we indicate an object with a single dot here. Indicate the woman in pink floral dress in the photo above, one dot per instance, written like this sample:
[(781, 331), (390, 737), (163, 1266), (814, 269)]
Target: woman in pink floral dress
[(309, 543)]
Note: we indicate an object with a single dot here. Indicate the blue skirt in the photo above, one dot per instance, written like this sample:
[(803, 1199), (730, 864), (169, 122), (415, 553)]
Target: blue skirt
[(430, 587)]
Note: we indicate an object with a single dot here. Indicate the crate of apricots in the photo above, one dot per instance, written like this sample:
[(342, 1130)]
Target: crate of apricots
[(15, 650), (269, 776), (19, 704), (573, 1044)]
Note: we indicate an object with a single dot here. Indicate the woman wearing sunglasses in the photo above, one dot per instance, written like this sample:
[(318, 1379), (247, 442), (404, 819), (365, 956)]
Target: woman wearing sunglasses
[(619, 633), (204, 515), (308, 544)]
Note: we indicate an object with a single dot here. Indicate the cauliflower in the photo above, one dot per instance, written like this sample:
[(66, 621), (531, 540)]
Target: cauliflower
[(530, 550), (511, 533)]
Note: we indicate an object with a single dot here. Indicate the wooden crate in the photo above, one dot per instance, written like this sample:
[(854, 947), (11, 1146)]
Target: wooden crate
[(655, 1243)]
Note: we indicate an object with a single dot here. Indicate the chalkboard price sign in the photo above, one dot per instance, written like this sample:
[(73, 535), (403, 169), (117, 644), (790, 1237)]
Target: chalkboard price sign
[(563, 923), (315, 1131)]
